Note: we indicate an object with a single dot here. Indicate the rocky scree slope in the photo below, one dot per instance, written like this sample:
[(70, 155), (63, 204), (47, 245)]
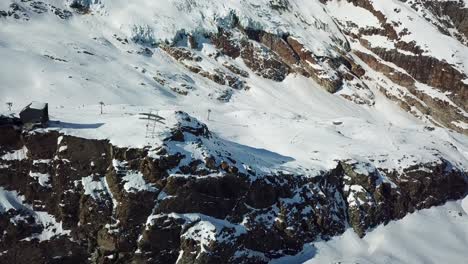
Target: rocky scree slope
[(194, 199)]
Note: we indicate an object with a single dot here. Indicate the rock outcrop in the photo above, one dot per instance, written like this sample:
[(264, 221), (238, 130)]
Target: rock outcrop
[(431, 87)]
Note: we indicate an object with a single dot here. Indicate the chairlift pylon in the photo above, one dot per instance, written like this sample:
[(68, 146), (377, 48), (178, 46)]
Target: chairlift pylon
[(153, 120)]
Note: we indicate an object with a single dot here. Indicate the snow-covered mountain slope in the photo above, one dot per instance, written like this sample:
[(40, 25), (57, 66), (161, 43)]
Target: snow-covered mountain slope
[(372, 92), (376, 46), (86, 59)]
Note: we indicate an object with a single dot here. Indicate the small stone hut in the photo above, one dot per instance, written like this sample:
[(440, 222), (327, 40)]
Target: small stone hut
[(36, 113)]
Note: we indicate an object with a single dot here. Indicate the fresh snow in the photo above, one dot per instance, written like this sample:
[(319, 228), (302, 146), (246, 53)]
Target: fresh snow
[(52, 228), (19, 154), (346, 11), (42, 178), (424, 34), (133, 180), (62, 148), (37, 105), (95, 189), (9, 200), (204, 229)]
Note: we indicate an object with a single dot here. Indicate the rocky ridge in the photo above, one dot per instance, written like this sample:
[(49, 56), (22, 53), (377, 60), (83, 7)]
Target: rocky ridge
[(196, 198)]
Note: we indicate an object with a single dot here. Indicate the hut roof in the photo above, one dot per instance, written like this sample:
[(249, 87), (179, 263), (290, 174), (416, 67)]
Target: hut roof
[(35, 105)]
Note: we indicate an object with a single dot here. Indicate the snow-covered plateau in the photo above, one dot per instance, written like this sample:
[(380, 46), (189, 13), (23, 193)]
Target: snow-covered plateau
[(289, 131)]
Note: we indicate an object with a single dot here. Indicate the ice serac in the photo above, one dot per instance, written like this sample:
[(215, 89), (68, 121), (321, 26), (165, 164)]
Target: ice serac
[(196, 198)]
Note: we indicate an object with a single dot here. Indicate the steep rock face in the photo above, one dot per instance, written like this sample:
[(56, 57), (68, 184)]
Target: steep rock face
[(265, 64), (442, 111), (375, 196), (275, 56), (193, 199), (452, 15), (391, 47), (435, 73), (271, 56)]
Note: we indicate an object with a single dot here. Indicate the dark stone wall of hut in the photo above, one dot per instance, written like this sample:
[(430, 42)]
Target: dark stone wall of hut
[(30, 115)]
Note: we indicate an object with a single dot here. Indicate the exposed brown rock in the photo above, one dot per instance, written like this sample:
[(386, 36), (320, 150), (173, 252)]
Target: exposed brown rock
[(263, 62)]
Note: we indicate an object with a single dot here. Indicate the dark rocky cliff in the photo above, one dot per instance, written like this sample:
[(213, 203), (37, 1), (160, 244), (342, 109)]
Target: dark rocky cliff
[(103, 204)]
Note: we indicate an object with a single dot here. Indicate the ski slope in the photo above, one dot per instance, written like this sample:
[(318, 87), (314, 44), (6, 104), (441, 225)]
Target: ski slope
[(294, 118)]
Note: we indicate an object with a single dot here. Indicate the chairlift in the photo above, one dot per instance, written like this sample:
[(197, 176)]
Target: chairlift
[(151, 125), (153, 116)]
